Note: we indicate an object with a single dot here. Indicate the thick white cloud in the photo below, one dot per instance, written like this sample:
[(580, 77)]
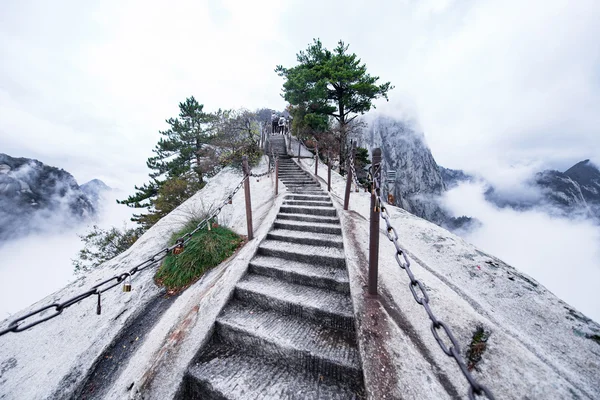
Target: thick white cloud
[(562, 254), (35, 266), (490, 83)]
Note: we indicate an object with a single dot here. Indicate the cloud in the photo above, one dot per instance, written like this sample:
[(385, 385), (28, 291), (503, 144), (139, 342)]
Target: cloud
[(490, 84), (38, 265), (562, 254)]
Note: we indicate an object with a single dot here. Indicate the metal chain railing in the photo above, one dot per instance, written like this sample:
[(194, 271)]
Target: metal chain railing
[(270, 170), (18, 324), (271, 162), (416, 287), (354, 176)]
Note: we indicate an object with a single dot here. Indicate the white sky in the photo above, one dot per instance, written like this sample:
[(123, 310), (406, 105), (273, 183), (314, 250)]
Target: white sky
[(88, 86)]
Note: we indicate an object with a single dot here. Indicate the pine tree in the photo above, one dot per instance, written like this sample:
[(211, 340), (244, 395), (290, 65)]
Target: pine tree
[(330, 84), (183, 148)]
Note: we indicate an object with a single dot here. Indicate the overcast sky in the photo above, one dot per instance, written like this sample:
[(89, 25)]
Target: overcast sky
[(87, 85)]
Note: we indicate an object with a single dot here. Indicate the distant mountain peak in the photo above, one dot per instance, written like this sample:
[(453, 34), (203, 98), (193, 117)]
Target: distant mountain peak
[(585, 173), (96, 184), (94, 189), (35, 197)]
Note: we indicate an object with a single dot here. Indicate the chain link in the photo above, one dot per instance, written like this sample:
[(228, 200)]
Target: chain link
[(421, 296), (18, 324)]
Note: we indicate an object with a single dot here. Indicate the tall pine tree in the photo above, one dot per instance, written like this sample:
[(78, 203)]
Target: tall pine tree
[(181, 150), (330, 84)]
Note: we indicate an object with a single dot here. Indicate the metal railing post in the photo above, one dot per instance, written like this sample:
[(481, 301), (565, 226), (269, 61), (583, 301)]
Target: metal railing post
[(329, 171), (276, 175), (374, 229), (316, 158), (348, 178), (298, 149), (247, 196)]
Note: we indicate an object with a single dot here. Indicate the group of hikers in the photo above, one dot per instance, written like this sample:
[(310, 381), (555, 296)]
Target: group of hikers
[(280, 124)]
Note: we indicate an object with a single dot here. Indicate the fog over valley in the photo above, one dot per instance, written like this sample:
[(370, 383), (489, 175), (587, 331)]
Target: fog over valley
[(38, 263)]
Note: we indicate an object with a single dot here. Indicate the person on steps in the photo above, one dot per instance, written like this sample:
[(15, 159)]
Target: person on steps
[(281, 125), (273, 123)]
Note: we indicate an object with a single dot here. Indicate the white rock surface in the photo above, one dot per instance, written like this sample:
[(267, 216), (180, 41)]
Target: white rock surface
[(539, 347), (51, 360)]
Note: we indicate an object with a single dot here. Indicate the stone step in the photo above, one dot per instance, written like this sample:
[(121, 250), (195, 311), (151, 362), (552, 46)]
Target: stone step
[(309, 218), (310, 238), (225, 373), (311, 227), (307, 197), (312, 348), (299, 181), (305, 190), (284, 176), (313, 185), (316, 255), (308, 203), (297, 176), (301, 273), (294, 171), (308, 189), (326, 307), (290, 174)]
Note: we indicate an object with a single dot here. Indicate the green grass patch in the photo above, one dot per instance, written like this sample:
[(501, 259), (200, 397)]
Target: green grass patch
[(205, 250)]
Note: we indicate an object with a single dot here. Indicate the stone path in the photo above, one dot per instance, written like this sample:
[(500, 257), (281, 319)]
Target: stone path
[(288, 331)]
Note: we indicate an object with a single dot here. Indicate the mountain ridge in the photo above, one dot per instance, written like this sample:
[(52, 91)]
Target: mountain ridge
[(575, 191), (37, 197)]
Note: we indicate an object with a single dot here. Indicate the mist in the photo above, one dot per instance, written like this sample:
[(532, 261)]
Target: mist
[(563, 254), (39, 264)]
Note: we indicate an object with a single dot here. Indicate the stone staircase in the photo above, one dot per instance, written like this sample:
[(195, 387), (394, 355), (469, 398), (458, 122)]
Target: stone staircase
[(288, 330)]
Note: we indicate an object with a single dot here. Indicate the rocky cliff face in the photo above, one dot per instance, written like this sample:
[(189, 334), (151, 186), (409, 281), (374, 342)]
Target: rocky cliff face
[(418, 182), (35, 197)]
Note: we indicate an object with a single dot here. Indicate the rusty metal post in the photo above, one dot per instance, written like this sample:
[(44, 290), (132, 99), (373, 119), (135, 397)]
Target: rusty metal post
[(329, 171), (316, 158), (374, 231), (247, 196), (348, 178), (276, 175)]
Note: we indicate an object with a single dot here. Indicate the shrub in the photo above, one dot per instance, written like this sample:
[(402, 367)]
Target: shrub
[(205, 250)]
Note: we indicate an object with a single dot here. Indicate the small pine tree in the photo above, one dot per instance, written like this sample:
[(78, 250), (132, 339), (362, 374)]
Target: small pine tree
[(101, 245), (182, 149)]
